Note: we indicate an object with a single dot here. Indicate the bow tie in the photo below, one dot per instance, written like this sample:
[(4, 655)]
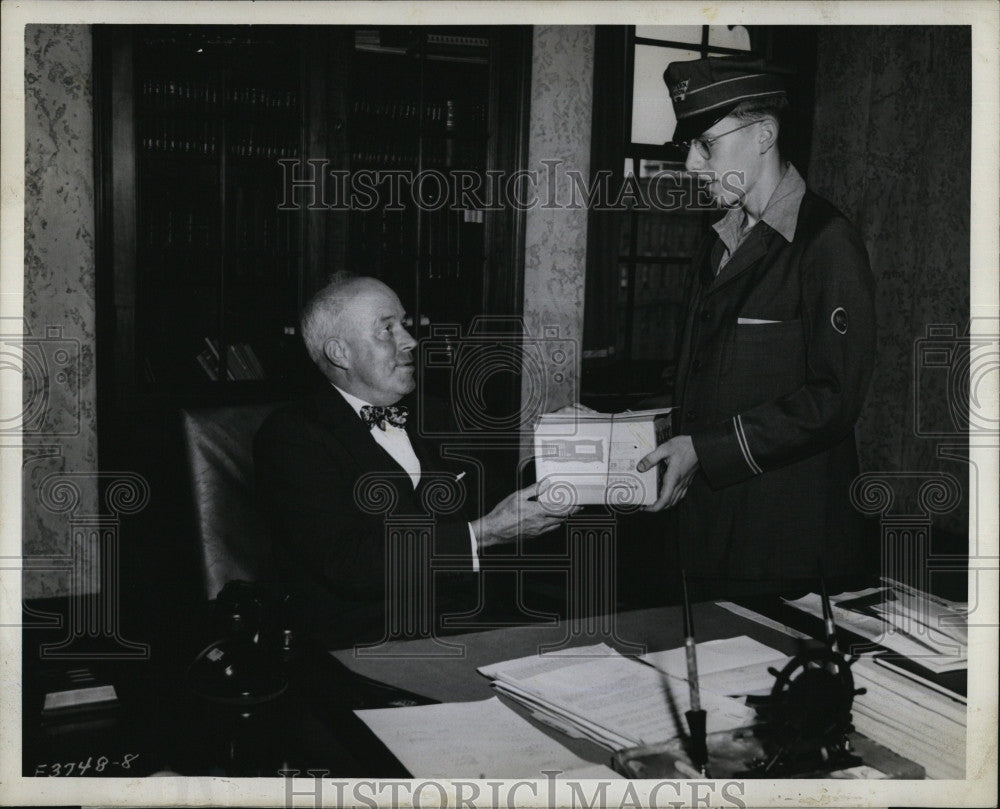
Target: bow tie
[(377, 416)]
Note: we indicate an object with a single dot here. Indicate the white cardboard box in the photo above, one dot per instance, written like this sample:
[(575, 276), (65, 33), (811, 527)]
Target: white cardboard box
[(588, 458)]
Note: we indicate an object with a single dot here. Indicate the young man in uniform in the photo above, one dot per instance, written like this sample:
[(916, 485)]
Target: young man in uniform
[(776, 354)]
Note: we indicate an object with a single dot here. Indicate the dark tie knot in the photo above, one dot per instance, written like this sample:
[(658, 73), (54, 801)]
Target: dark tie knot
[(377, 416)]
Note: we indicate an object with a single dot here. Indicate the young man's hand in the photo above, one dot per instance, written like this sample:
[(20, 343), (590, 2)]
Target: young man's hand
[(681, 464)]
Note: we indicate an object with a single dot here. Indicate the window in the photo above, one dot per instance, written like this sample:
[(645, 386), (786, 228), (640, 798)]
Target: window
[(655, 47), (638, 252)]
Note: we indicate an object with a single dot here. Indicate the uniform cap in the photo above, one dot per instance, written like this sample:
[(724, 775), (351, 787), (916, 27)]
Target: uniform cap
[(704, 91)]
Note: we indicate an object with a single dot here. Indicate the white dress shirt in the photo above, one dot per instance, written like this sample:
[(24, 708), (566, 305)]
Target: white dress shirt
[(396, 442), (392, 439)]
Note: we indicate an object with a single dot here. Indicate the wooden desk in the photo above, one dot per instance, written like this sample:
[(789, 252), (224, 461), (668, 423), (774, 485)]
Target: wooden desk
[(445, 669), (422, 666)]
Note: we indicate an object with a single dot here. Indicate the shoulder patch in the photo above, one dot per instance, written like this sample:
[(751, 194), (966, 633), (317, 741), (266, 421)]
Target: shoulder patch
[(839, 319)]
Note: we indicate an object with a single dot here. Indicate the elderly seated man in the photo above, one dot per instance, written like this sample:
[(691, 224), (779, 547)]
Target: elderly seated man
[(343, 477)]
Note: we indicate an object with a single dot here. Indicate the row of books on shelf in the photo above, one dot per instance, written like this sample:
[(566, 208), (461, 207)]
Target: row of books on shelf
[(190, 136), (452, 239), (241, 362), (656, 283), (663, 235), (268, 232), (179, 135), (396, 153), (260, 229), (190, 226), (171, 94), (396, 39), (446, 116)]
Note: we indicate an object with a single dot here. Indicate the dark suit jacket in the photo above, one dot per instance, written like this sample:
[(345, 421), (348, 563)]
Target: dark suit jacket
[(336, 501), (771, 406)]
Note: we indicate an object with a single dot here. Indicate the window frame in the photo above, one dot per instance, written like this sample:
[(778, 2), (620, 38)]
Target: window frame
[(611, 145)]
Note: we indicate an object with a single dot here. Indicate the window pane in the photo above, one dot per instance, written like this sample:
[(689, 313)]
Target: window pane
[(656, 168), (652, 114), (650, 169), (729, 36), (672, 33)]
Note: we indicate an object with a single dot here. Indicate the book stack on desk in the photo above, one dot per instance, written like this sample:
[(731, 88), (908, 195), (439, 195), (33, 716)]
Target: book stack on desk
[(618, 702), (927, 630), (918, 721), (915, 701)]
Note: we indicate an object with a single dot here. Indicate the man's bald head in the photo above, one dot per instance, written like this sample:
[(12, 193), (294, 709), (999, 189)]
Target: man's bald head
[(353, 330)]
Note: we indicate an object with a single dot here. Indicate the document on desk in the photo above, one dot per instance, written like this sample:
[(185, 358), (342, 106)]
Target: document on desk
[(613, 700), (730, 666), (484, 739), (927, 630)]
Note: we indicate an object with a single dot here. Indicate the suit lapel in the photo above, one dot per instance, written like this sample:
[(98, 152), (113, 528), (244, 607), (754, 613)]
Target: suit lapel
[(356, 438), (750, 252)]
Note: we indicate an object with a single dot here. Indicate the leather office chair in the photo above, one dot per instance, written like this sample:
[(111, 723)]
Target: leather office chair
[(219, 445)]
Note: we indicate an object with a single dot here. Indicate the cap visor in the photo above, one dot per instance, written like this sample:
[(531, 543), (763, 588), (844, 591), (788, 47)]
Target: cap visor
[(692, 127)]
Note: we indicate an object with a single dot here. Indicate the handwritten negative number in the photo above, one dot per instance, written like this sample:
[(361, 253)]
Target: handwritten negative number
[(69, 768)]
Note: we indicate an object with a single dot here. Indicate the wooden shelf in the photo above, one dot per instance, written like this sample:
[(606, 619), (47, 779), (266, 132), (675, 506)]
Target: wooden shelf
[(192, 121)]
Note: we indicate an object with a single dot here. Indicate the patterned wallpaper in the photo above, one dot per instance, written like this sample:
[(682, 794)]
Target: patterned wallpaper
[(556, 237), (891, 149), (59, 382)]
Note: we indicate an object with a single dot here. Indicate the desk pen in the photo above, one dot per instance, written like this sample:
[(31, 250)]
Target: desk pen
[(829, 626), (695, 716)]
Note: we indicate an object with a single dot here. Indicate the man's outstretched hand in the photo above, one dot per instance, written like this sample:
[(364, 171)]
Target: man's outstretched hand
[(681, 464), (519, 514)]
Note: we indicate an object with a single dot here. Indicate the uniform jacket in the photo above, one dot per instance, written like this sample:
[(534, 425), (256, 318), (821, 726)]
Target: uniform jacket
[(774, 365), (330, 492)]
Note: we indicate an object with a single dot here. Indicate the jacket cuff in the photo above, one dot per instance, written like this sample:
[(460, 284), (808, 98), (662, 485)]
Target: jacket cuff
[(453, 539), (474, 543), (724, 454)]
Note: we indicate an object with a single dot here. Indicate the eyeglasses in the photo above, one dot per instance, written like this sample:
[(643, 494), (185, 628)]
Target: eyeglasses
[(704, 145)]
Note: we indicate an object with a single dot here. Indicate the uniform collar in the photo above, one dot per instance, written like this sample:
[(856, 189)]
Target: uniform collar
[(780, 214)]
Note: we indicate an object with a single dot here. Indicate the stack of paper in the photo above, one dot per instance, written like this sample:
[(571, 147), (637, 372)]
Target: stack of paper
[(473, 740), (928, 630), (615, 701), (916, 721), (729, 667)]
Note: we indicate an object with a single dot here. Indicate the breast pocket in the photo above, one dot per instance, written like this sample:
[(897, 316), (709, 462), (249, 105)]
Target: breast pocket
[(770, 359)]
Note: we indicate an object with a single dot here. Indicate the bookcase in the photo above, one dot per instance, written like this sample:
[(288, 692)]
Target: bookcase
[(420, 126), (202, 267), (216, 259), (208, 241)]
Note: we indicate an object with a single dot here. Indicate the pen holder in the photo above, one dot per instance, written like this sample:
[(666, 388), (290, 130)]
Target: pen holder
[(697, 743)]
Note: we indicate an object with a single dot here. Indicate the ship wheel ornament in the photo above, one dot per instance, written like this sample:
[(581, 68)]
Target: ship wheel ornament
[(806, 719)]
